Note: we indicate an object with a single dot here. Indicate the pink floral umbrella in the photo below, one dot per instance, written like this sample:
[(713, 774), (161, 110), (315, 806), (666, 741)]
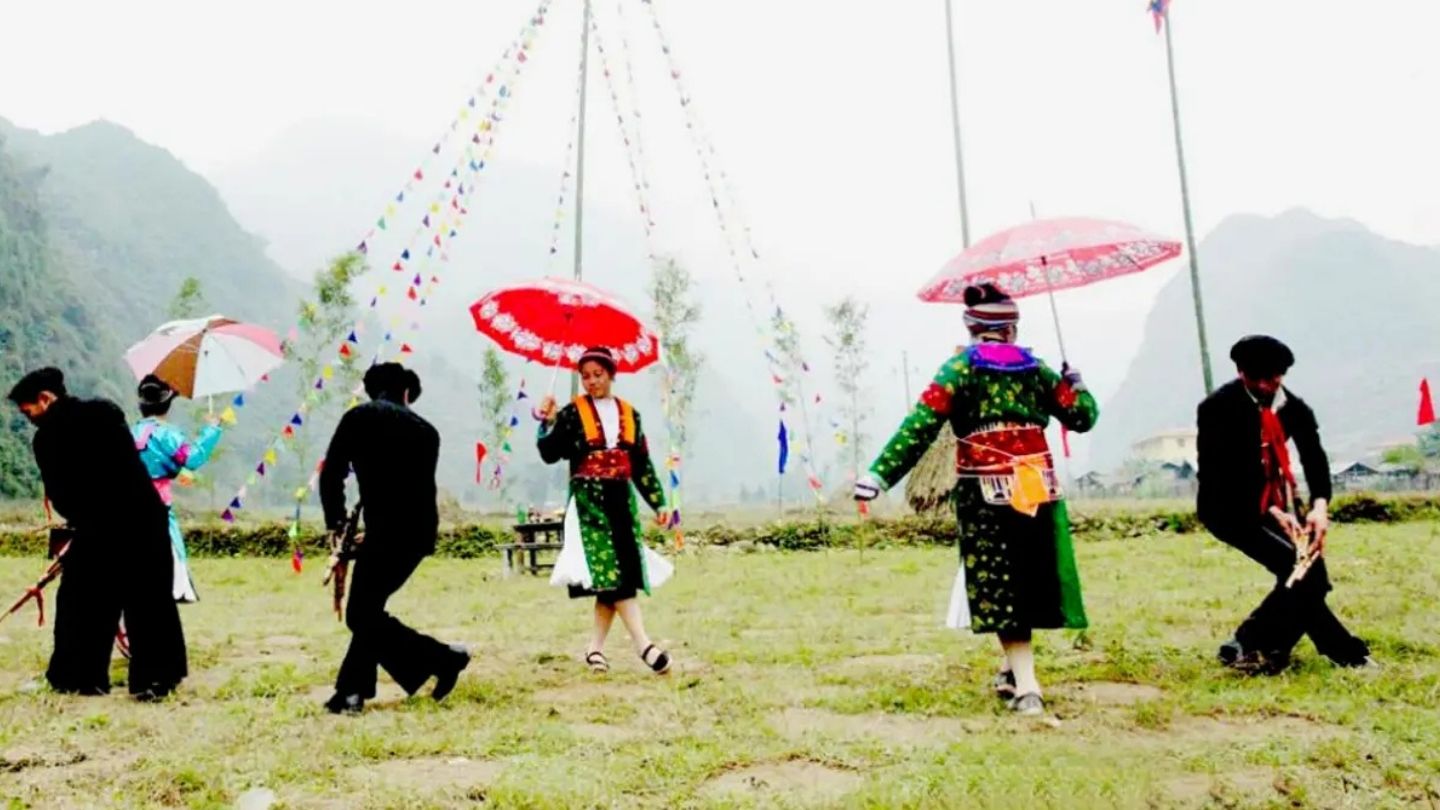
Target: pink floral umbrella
[(1045, 255)]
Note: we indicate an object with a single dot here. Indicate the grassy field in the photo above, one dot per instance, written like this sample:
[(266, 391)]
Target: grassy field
[(821, 678)]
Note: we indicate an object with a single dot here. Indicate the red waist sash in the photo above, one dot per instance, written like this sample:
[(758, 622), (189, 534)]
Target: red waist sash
[(996, 449), (612, 464)]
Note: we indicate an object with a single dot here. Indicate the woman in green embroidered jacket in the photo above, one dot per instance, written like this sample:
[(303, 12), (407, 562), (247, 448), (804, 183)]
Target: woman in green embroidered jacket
[(1017, 564), (604, 554)]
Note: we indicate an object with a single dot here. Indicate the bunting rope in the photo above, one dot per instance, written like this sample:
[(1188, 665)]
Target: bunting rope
[(508, 68), (632, 160), (709, 167), (635, 160), (447, 225)]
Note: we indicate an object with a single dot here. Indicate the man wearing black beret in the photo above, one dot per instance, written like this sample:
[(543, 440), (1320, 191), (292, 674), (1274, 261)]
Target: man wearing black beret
[(1248, 499)]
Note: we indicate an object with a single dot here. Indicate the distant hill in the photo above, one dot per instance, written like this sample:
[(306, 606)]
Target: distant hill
[(1362, 313), (97, 231), (44, 320)]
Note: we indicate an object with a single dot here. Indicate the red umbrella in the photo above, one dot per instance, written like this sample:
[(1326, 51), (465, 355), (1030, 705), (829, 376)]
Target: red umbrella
[(1046, 255), (553, 321)]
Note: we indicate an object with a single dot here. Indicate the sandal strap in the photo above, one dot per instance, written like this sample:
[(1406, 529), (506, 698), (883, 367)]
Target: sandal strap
[(662, 658), (597, 659)]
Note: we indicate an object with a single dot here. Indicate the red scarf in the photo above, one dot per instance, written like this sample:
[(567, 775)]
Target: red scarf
[(1279, 486)]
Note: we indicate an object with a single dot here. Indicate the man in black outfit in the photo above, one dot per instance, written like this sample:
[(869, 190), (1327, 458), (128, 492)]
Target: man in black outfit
[(393, 453), (1247, 500), (119, 559)]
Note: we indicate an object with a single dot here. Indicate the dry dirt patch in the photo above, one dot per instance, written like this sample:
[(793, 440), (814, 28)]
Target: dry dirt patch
[(429, 773), (584, 692), (1232, 730), (1111, 693), (1198, 789), (807, 781), (899, 729)]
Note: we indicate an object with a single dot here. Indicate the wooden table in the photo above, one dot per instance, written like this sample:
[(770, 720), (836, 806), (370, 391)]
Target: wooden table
[(530, 540)]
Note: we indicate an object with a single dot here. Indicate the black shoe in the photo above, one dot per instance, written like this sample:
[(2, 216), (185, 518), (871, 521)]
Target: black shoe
[(345, 704), (155, 692), (1252, 662), (445, 679), (1231, 652)]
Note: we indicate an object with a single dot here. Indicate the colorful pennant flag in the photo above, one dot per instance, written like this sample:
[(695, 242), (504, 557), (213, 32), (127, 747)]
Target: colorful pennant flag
[(1158, 9), (480, 451), (784, 447), (1427, 405)]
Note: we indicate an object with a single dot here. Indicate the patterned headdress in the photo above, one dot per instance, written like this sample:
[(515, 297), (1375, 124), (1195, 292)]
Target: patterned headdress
[(601, 355), (987, 308)]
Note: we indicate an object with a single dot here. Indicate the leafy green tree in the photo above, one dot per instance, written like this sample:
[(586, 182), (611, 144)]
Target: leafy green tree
[(495, 400), (189, 301), (847, 341), (672, 297), (327, 316)]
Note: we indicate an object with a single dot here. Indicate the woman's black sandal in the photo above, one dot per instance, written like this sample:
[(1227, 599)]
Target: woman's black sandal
[(1005, 685), (1029, 704), (598, 663), (661, 664)]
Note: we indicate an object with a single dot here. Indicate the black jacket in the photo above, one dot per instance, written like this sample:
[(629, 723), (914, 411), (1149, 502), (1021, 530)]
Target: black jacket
[(1230, 472), (95, 481), (393, 453)]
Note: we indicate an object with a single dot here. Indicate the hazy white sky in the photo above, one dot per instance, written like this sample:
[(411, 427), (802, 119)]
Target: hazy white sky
[(832, 118)]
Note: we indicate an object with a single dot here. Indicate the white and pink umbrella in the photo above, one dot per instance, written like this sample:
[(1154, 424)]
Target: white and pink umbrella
[(207, 356), (1046, 255)]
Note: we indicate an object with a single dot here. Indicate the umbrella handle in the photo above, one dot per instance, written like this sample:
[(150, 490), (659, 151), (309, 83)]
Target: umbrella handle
[(1050, 291), (1055, 317)]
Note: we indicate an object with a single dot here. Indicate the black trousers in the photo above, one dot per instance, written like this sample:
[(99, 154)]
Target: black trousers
[(380, 639), (1287, 614), (92, 596)]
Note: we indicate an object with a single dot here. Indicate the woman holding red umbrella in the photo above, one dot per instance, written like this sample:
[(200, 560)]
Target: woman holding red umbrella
[(604, 555)]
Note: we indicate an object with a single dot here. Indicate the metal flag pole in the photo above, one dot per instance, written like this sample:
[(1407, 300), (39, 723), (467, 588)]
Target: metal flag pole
[(580, 159), (1185, 204), (955, 125)]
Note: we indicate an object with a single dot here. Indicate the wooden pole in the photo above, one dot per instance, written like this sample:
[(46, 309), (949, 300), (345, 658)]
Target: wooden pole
[(955, 125), (580, 160), (1185, 204)]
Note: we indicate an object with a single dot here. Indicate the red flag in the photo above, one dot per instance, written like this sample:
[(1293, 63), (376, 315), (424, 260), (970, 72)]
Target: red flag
[(1065, 440), (297, 560), (1427, 405), (479, 460)]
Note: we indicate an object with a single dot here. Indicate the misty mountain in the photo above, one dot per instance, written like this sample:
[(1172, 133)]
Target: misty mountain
[(1359, 310), (109, 227)]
